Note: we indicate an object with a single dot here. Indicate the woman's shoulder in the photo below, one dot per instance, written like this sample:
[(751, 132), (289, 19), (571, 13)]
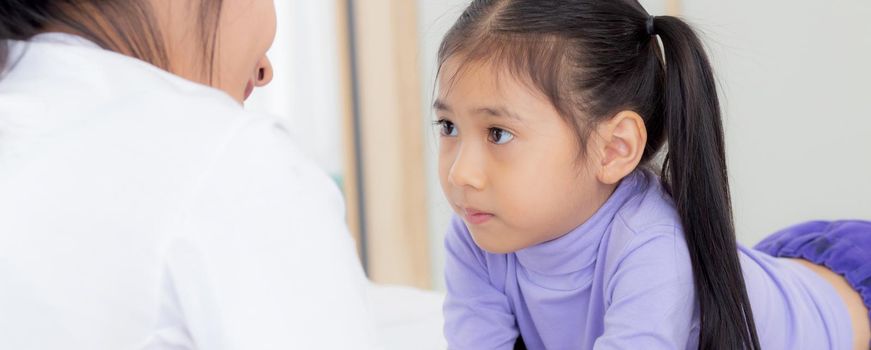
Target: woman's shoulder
[(133, 118), (68, 71), (64, 81)]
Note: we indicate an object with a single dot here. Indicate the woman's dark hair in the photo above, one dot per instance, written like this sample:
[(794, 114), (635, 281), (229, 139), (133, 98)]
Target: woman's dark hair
[(595, 58), (124, 26)]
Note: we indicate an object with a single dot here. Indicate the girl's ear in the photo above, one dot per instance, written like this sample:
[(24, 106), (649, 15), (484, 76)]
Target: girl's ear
[(623, 139)]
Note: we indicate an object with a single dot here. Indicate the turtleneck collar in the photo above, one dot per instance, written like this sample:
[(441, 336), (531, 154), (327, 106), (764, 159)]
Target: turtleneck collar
[(578, 248)]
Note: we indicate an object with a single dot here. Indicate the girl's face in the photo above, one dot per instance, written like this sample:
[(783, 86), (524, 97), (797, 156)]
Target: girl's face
[(246, 30), (508, 162)]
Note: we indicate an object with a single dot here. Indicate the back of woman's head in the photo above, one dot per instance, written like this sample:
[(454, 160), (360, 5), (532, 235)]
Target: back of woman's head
[(593, 59), (125, 26)]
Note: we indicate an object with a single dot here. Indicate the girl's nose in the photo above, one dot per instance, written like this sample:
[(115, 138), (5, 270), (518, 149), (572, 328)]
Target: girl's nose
[(263, 75), (467, 170)]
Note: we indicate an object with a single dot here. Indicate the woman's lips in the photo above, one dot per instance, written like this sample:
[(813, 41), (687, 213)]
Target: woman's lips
[(476, 217)]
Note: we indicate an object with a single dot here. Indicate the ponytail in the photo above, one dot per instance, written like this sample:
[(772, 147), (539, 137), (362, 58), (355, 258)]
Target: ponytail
[(695, 174)]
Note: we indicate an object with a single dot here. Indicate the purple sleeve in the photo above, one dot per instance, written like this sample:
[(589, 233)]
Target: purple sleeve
[(651, 299), (477, 314)]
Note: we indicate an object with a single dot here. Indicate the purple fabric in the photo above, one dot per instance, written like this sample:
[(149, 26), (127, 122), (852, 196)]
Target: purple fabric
[(842, 246), (622, 280)]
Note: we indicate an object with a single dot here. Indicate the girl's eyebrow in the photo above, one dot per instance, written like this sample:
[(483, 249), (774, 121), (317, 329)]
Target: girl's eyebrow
[(495, 111), (441, 106), (498, 111)]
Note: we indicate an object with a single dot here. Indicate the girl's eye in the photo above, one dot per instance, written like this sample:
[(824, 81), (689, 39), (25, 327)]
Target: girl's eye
[(499, 136), (447, 128)]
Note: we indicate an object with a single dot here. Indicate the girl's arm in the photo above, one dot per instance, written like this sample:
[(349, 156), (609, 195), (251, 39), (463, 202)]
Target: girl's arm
[(651, 300), (477, 314)]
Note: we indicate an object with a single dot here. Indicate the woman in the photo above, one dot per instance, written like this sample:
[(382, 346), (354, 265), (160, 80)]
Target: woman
[(140, 207)]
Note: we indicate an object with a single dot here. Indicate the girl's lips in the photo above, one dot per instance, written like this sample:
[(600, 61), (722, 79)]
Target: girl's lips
[(249, 89), (476, 217)]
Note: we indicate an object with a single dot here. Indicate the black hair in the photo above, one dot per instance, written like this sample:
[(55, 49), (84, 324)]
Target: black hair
[(595, 58), (124, 26)]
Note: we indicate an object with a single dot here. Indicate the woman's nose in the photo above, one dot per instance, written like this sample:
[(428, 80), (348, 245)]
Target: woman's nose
[(264, 72)]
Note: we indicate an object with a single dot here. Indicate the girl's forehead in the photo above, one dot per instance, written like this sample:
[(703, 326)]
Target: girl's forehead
[(482, 90), (484, 83), (457, 71)]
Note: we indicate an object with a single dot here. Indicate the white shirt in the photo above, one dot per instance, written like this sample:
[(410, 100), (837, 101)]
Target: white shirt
[(139, 210)]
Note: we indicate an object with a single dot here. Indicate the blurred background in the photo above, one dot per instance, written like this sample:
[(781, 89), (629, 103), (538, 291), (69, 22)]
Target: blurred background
[(356, 78)]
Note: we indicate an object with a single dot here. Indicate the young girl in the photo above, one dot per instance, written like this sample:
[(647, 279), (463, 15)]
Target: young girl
[(551, 115)]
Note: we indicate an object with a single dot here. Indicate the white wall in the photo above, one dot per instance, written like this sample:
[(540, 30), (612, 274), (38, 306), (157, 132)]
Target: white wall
[(435, 17), (797, 105), (795, 79)]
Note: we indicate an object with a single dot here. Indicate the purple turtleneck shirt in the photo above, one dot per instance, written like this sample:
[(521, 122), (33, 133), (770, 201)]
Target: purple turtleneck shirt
[(622, 280)]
